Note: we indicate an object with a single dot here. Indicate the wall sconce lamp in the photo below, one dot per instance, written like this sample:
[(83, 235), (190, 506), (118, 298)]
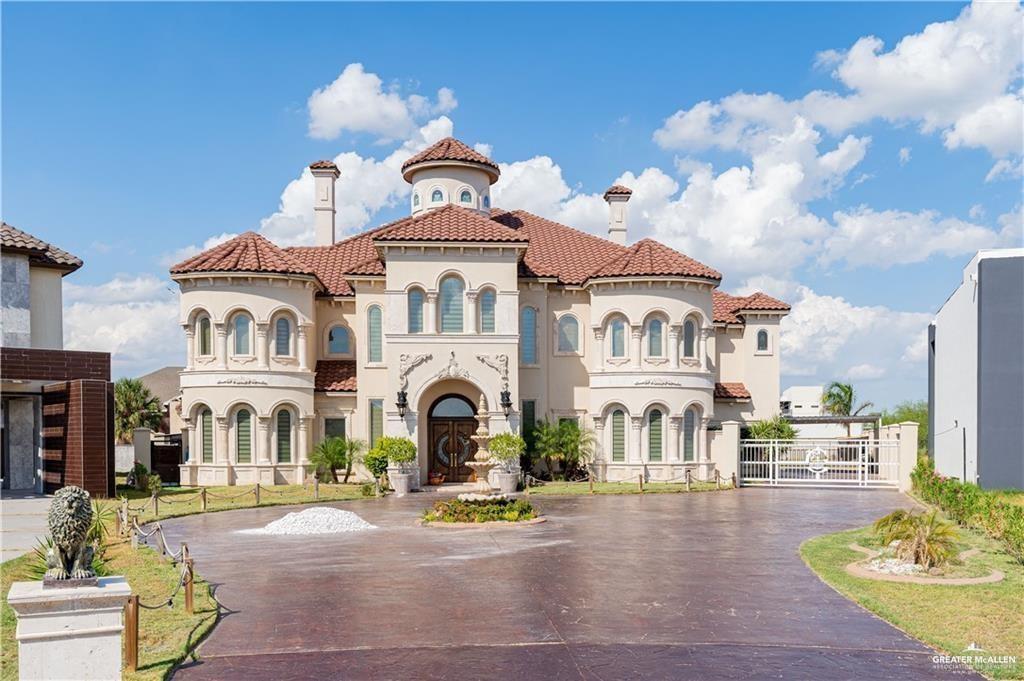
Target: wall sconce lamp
[(402, 403), (506, 402)]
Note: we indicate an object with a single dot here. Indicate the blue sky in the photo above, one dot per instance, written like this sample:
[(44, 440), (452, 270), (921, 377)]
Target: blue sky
[(135, 132)]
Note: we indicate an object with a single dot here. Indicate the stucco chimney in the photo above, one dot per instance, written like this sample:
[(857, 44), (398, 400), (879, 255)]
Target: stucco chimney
[(324, 175), (617, 197)]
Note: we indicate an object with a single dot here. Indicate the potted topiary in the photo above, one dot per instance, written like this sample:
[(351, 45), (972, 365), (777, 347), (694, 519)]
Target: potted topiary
[(401, 454), (506, 448)]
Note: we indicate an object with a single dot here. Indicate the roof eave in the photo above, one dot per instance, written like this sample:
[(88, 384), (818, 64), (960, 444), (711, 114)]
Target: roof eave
[(235, 274), (410, 170), (653, 277)]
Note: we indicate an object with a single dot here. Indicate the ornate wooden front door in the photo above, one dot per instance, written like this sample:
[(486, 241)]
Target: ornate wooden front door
[(451, 448)]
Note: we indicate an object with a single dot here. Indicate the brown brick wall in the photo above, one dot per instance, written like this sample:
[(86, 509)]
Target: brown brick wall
[(78, 436), (30, 364)]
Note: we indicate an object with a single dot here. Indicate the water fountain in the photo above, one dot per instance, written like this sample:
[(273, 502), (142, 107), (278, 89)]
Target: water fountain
[(481, 463)]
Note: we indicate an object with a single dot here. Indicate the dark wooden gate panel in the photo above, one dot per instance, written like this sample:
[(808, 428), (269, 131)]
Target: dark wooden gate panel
[(166, 455)]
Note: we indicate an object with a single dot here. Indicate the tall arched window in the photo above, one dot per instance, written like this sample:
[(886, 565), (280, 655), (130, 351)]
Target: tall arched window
[(284, 436), (283, 337), (690, 338), (618, 435), (568, 334), (416, 199), (451, 290), (206, 436), (415, 303), (375, 339), (487, 301), (243, 436), (689, 435), (487, 202), (654, 435), (465, 196), (338, 341), (528, 335), (618, 334), (243, 334), (205, 337), (655, 338), (762, 341), (437, 196)]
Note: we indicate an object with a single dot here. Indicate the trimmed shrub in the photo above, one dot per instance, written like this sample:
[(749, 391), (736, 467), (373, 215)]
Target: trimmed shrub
[(970, 506), (507, 448)]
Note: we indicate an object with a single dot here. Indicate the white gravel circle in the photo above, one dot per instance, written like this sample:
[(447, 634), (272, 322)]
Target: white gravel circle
[(316, 520)]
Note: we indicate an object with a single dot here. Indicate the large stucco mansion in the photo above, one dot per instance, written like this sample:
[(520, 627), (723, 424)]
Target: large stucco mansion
[(401, 329)]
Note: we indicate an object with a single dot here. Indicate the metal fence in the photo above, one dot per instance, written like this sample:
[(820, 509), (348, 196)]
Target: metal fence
[(820, 463)]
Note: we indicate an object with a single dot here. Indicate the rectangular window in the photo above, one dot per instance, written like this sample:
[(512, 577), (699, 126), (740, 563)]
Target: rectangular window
[(618, 436), (654, 339), (415, 311), (242, 335), (376, 353), (334, 428), (282, 338), (528, 336), (689, 426), (376, 421), (567, 419), (529, 422), (284, 437), (654, 436), (243, 437), (487, 312)]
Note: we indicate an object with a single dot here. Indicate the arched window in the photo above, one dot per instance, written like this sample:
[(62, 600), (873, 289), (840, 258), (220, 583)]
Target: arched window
[(205, 337), (437, 196), (451, 304), (284, 436), (338, 341), (206, 436), (528, 336), (465, 196), (283, 337), (655, 338), (618, 435), (654, 435), (243, 436), (243, 334), (374, 340), (415, 199), (689, 434), (415, 303), (487, 300), (690, 338), (762, 341), (618, 340), (568, 334)]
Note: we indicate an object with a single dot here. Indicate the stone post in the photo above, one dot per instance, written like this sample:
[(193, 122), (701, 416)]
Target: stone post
[(69, 633), (221, 450), (726, 453), (907, 453)]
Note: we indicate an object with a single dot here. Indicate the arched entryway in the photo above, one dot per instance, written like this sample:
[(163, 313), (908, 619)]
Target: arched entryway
[(450, 423)]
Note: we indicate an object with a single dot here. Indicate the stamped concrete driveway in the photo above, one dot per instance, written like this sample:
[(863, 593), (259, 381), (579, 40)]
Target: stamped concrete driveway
[(671, 586)]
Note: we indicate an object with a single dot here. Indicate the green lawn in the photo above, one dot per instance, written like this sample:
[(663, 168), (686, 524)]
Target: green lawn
[(559, 488), (948, 618), (166, 635)]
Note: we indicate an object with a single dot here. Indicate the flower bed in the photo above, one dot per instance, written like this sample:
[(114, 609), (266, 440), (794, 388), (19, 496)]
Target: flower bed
[(457, 511), (970, 506)]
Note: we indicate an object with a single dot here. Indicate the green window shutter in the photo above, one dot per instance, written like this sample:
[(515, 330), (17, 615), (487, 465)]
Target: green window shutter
[(451, 305), (205, 342), (528, 336), (206, 423), (654, 435), (284, 436), (618, 338), (487, 299), (689, 426), (243, 436), (242, 335), (415, 311), (654, 338), (376, 421), (618, 436), (376, 341), (334, 428), (689, 339), (568, 334), (282, 337)]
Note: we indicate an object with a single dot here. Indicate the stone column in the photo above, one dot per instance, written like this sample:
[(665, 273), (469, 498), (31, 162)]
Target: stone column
[(636, 334), (263, 439), (674, 426), (262, 347), (702, 352), (222, 345), (635, 455), (908, 453), (598, 349), (301, 349), (221, 451), (190, 346), (702, 440), (430, 321), (673, 346), (599, 436), (470, 321), (303, 447)]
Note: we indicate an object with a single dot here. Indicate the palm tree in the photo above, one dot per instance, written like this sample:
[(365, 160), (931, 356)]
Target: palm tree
[(839, 399), (354, 450), (564, 441), (134, 407)]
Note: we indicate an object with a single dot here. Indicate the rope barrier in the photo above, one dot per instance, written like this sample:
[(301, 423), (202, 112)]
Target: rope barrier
[(171, 500), (169, 601), (211, 495)]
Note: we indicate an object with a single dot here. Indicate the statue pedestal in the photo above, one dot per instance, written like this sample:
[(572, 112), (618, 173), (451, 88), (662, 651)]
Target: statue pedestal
[(70, 633)]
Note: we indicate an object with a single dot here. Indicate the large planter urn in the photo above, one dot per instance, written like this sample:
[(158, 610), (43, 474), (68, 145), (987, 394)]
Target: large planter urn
[(401, 480), (508, 483)]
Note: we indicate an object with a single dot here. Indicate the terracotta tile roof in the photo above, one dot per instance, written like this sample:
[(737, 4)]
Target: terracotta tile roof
[(39, 251), (727, 306), (450, 223), (731, 391), (248, 252), (647, 257), (323, 165), (355, 255), (335, 375), (451, 149), (556, 250), (617, 189)]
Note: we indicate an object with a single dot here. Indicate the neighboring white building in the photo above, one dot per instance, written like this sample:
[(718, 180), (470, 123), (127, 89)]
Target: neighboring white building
[(402, 328), (802, 405), (976, 374)]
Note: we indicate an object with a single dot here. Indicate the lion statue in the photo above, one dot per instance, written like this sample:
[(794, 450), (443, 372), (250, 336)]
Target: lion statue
[(69, 519)]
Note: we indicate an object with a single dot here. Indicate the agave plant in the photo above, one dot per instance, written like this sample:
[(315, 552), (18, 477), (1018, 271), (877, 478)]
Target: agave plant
[(99, 528), (922, 538)]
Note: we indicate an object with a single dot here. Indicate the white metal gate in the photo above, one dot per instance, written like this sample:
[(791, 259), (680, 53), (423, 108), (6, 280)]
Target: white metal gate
[(820, 463)]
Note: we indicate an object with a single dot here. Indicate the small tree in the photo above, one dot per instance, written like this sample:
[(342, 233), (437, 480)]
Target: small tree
[(399, 451), (840, 398), (565, 442), (376, 462), (134, 407), (547, 444), (916, 411), (507, 448), (328, 456), (774, 428)]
